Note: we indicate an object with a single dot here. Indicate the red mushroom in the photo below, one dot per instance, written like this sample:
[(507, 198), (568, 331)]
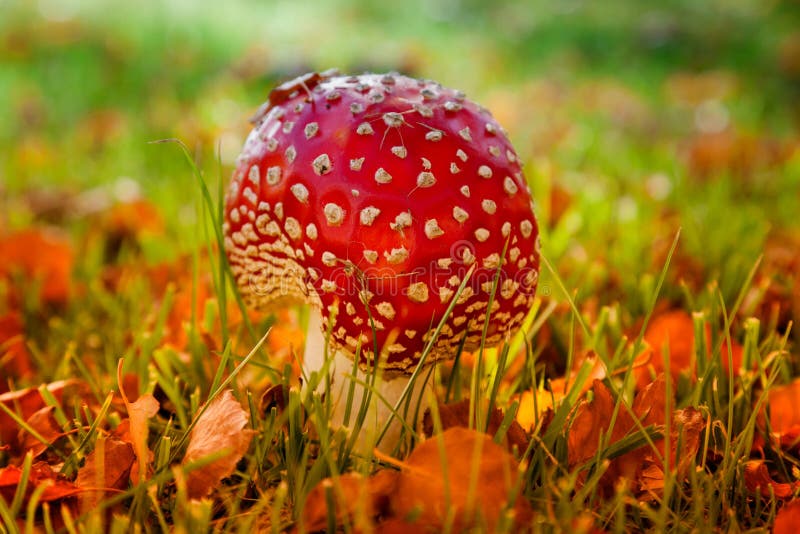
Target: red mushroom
[(372, 198)]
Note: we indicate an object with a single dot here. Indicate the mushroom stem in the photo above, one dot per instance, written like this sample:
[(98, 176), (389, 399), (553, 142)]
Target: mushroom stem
[(349, 392)]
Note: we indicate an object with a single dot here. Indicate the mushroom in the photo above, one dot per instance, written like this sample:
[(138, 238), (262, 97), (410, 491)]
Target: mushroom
[(382, 201)]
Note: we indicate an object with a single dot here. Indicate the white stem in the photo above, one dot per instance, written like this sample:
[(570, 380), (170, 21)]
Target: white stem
[(389, 389)]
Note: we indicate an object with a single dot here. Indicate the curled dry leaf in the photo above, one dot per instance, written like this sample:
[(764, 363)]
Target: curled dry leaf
[(358, 500), (220, 429), (107, 467), (457, 415), (788, 518), (145, 407), (40, 473), (39, 255), (44, 423), (642, 466), (460, 474), (757, 478), (674, 330)]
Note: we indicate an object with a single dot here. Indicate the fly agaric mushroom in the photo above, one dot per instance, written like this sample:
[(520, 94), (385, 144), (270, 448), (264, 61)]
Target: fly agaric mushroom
[(372, 198)]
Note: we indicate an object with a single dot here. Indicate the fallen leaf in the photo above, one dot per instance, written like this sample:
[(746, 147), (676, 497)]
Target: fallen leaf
[(783, 403), (457, 415), (14, 356), (220, 429), (40, 473), (145, 407), (674, 330), (44, 423), (472, 489), (358, 500), (788, 518), (107, 467), (757, 478), (42, 256)]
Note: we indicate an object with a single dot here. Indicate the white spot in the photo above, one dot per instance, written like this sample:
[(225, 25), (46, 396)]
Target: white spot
[(234, 215), (461, 155), (322, 164), (465, 134), (287, 126), (382, 177), (511, 156), (454, 168), (399, 151), (514, 253), (311, 129), (292, 227), (386, 310), (364, 129), (371, 256), (392, 119), (490, 129), (356, 108), (250, 195), (355, 164), (452, 106), (290, 154), (368, 214), (334, 214), (300, 192), (263, 206), (418, 292), (410, 334), (445, 293), (458, 321), (403, 220), (328, 286), (350, 309), (506, 229), (426, 164), (459, 214), (465, 190), (432, 229), (492, 261), (329, 258), (279, 210), (333, 96), (254, 175), (273, 175), (510, 186), (481, 234), (397, 255), (423, 110), (489, 206), (272, 144), (354, 192), (444, 263), (484, 171), (396, 348), (425, 179), (311, 231), (526, 228), (434, 135)]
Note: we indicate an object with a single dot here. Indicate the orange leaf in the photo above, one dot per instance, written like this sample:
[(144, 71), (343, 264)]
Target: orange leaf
[(757, 478), (108, 466), (40, 473), (45, 424), (39, 255), (220, 429), (138, 414), (14, 356), (430, 493), (788, 518)]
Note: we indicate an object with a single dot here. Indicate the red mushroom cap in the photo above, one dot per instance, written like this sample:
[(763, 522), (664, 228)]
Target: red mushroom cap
[(371, 197)]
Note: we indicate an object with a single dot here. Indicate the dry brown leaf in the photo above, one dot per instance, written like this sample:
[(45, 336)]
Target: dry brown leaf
[(41, 255), (358, 500), (145, 407), (45, 424), (757, 478), (220, 429), (40, 473), (456, 414), (788, 518), (14, 356), (429, 493), (108, 466)]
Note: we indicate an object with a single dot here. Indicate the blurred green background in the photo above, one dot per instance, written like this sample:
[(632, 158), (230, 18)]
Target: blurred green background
[(634, 118)]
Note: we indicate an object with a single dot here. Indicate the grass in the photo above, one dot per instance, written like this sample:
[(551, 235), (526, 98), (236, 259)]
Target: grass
[(601, 102)]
